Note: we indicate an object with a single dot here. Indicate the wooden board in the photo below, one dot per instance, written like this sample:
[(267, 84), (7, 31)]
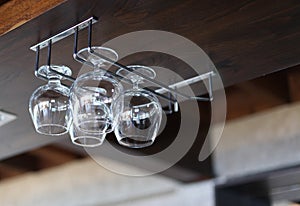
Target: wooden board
[(15, 13), (245, 40)]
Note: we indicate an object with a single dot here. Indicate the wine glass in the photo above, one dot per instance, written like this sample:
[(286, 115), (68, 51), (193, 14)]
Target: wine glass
[(91, 96), (49, 104), (140, 119)]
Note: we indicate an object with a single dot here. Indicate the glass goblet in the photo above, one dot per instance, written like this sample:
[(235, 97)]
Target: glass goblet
[(91, 98), (93, 92), (139, 122), (49, 104)]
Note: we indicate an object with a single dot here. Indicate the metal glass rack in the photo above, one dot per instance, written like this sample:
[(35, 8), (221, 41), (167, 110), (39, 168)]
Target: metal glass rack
[(162, 88)]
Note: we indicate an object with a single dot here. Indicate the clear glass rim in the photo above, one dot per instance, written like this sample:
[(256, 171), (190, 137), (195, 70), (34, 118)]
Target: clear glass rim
[(136, 144), (145, 70), (106, 121), (40, 126), (99, 141)]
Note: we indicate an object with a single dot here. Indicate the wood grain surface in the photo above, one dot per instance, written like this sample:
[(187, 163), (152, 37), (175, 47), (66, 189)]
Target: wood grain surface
[(15, 13)]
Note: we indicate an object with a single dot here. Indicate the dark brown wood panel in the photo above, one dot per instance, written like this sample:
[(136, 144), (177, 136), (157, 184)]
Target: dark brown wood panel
[(245, 39), (258, 95), (36, 160), (294, 83)]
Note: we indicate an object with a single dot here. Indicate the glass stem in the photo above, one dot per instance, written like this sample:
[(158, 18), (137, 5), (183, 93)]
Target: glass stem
[(54, 81), (136, 85), (98, 69)]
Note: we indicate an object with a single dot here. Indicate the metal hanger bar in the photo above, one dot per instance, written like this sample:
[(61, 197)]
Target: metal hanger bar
[(70, 78), (67, 77), (49, 52), (210, 92), (186, 82), (37, 60), (77, 58), (88, 23), (82, 61), (90, 31), (153, 81), (64, 34), (193, 80)]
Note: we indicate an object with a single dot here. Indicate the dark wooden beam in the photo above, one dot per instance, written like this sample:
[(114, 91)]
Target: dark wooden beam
[(257, 95), (294, 83), (51, 156), (36, 160), (7, 171)]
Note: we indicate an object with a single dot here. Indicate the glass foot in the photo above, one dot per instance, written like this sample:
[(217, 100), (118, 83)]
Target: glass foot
[(46, 72), (95, 60), (146, 71)]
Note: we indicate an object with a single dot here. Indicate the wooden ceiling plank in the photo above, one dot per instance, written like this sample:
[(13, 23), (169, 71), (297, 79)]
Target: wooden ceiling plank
[(7, 171), (15, 13), (294, 84), (52, 156), (257, 95)]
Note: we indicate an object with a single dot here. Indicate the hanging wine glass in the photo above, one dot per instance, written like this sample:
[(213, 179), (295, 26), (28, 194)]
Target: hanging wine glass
[(139, 122), (91, 96), (49, 104)]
